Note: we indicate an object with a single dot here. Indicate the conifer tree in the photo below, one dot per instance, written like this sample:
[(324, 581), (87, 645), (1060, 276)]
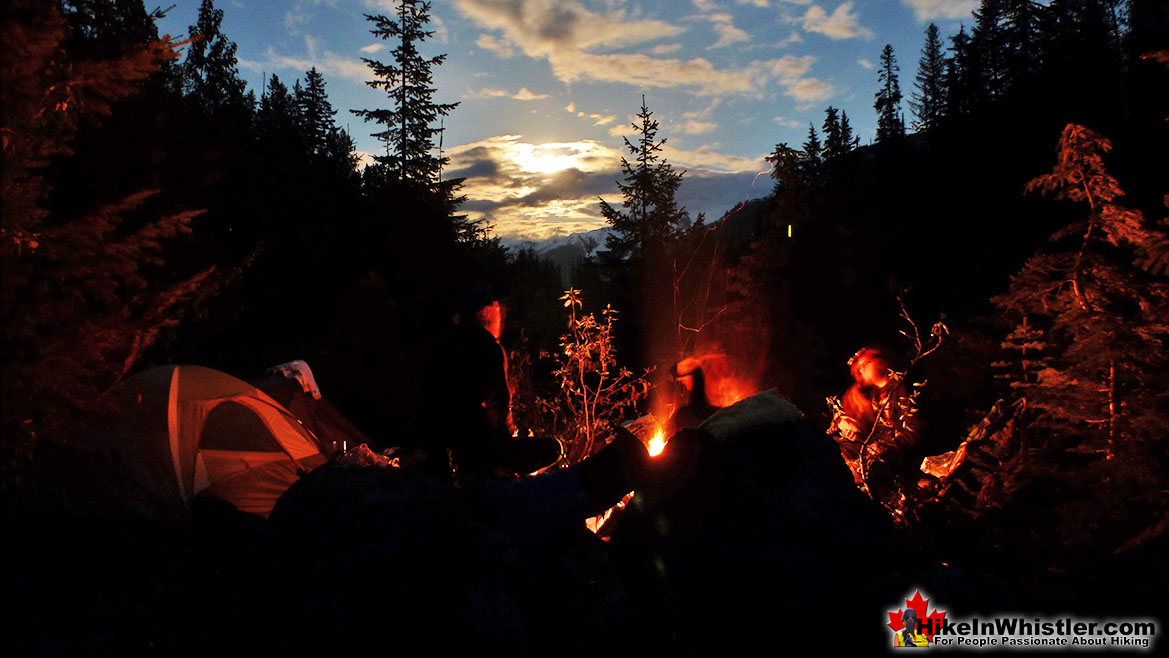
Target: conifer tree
[(785, 168), (811, 162), (929, 91), (846, 137), (210, 71), (279, 117), (80, 299), (890, 124), (650, 217), (409, 127), (834, 144), (963, 88), (1022, 36), (1097, 320), (316, 110), (989, 39)]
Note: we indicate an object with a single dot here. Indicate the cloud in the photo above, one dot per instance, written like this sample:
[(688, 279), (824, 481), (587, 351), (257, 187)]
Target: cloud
[(665, 49), (757, 3), (439, 28), (372, 48), (602, 119), (865, 63), (533, 191), (840, 24), (576, 43), (624, 129), (786, 122), (728, 34), (571, 107), (809, 91), (501, 47), (705, 159), (698, 73), (704, 112), (928, 10), (790, 71), (541, 27), (328, 63), (524, 95), (294, 18), (694, 127), (489, 93), (794, 37), (704, 5), (300, 12)]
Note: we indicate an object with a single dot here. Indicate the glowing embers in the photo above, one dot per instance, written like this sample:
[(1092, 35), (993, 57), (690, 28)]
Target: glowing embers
[(657, 442)]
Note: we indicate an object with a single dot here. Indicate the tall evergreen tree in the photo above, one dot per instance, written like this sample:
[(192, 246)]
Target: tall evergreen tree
[(812, 162), (890, 123), (963, 86), (990, 39), (1083, 69), (410, 125), (928, 101), (846, 137), (210, 73), (834, 144), (279, 117), (1022, 36), (650, 217), (316, 110)]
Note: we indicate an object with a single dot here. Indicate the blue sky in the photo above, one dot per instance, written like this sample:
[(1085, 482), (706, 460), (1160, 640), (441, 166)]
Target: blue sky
[(547, 88)]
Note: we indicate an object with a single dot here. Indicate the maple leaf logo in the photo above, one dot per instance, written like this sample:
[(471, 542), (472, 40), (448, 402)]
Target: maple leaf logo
[(930, 623)]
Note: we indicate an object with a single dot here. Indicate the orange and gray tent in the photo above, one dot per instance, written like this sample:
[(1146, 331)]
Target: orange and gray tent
[(173, 433)]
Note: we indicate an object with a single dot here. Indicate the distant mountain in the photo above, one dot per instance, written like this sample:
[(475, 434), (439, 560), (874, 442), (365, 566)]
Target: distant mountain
[(741, 226), (564, 251), (590, 241)]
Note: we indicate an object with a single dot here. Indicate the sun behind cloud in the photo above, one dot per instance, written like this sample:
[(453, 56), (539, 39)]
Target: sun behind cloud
[(553, 157)]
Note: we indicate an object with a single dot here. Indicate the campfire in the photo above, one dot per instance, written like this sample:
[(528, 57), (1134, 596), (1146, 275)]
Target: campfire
[(699, 395), (657, 443)]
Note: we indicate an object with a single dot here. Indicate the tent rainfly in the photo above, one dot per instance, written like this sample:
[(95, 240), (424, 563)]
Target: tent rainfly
[(172, 433)]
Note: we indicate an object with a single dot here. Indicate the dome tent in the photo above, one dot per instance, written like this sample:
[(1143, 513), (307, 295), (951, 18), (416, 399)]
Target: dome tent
[(172, 433)]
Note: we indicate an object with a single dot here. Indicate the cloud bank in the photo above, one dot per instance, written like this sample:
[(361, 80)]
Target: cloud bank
[(928, 10), (842, 23), (535, 191), (582, 45)]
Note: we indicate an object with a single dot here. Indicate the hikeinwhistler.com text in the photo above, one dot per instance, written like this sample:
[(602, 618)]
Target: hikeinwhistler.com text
[(1022, 633)]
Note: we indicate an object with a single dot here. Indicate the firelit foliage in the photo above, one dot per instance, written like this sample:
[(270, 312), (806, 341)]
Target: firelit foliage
[(594, 390), (80, 299), (1101, 320)]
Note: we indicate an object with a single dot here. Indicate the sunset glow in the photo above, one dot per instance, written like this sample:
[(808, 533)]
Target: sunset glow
[(552, 157)]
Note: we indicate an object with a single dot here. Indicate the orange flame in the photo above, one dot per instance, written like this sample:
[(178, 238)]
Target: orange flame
[(658, 443), (726, 382)]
